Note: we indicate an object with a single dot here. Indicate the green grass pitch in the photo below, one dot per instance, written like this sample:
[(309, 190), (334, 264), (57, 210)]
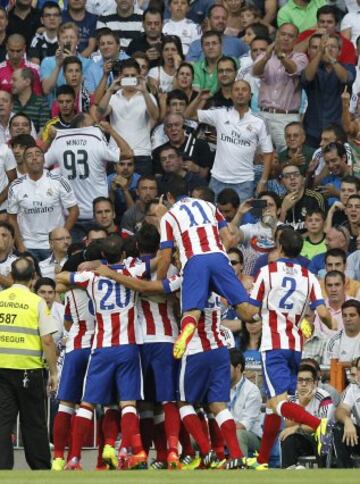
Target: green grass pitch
[(187, 477)]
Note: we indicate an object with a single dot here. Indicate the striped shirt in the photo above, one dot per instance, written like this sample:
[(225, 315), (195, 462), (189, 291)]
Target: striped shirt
[(37, 108), (128, 28)]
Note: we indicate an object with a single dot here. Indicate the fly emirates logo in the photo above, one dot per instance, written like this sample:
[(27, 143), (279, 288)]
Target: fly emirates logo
[(235, 138), (38, 207)]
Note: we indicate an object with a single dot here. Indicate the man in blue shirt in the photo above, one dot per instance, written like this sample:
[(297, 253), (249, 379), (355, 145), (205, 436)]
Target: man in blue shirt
[(232, 46), (336, 162), (86, 23)]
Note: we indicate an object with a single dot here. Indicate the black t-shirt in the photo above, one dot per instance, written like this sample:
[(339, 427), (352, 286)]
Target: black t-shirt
[(192, 180), (3, 50), (219, 100), (310, 200), (26, 27), (41, 47), (142, 45), (193, 149)]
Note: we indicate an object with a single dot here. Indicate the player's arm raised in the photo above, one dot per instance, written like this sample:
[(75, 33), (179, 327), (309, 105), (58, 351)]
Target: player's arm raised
[(132, 283), (63, 280)]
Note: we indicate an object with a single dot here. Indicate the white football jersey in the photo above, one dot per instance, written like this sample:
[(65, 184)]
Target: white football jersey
[(82, 154), (7, 163)]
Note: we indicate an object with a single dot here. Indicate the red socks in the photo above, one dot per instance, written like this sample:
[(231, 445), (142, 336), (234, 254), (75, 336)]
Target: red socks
[(111, 426), (192, 424), (216, 437), (298, 414), (81, 429), (159, 438), (227, 426), (184, 437), (62, 426), (272, 424), (172, 425), (130, 428)]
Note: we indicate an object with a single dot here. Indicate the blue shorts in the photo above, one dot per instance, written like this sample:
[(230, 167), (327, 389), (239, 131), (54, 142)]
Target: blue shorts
[(117, 366), (205, 377), (72, 375), (217, 275), (280, 369), (160, 370)]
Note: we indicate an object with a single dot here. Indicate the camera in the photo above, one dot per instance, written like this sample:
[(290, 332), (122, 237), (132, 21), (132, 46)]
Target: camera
[(129, 82), (67, 46)]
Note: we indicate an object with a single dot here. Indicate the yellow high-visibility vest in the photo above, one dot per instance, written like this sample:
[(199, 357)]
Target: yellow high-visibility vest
[(20, 342)]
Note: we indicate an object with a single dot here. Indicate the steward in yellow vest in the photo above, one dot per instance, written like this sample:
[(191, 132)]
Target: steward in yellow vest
[(26, 327)]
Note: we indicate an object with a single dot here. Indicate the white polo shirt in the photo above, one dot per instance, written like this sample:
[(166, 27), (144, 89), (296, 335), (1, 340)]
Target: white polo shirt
[(238, 139), (351, 398), (129, 117), (7, 163), (39, 206)]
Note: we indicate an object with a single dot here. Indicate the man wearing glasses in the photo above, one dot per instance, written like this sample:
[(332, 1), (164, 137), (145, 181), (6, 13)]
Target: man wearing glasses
[(297, 439), (298, 200), (59, 240), (45, 43)]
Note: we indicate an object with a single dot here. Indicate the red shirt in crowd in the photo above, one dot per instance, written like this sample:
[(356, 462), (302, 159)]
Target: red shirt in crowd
[(347, 54), (7, 70)]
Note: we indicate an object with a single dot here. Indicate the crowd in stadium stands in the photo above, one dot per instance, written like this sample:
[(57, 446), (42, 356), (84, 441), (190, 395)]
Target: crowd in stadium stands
[(255, 104)]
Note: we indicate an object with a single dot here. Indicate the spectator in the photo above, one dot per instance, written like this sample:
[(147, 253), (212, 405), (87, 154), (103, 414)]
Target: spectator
[(51, 69), (298, 200), (25, 101), (162, 77), (104, 215), (125, 19), (45, 43), (350, 185), (256, 29), (7, 235), (249, 343), (181, 26), (20, 123), (172, 162), (245, 405), (59, 241), (237, 145), (184, 79), (15, 52), (18, 145), (24, 20), (324, 80), (7, 175), (345, 344), (131, 110), (3, 26), (122, 187), (353, 262), (350, 28), (258, 46), (337, 237), (236, 259), (228, 203), (335, 290), (352, 212), (86, 23), (150, 41), (226, 73), (74, 77), (249, 14), (347, 429), (66, 101), (41, 210), (327, 20), (314, 238), (205, 70), (6, 105), (217, 18), (280, 70), (296, 152), (196, 152), (147, 190), (335, 161), (301, 13), (335, 260), (99, 7), (100, 74), (298, 440), (45, 287), (314, 346), (351, 126)]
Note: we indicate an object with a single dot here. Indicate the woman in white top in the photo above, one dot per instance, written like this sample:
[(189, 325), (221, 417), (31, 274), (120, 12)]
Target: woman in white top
[(162, 77)]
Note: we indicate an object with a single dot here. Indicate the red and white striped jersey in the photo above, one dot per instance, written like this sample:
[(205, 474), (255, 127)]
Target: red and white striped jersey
[(114, 306), (208, 335), (283, 290), (78, 310), (193, 225)]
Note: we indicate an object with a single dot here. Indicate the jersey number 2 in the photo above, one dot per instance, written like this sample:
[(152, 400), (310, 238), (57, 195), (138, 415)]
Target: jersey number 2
[(73, 161), (290, 284)]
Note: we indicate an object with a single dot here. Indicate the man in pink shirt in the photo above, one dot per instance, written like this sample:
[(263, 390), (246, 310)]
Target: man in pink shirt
[(15, 50), (279, 70)]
